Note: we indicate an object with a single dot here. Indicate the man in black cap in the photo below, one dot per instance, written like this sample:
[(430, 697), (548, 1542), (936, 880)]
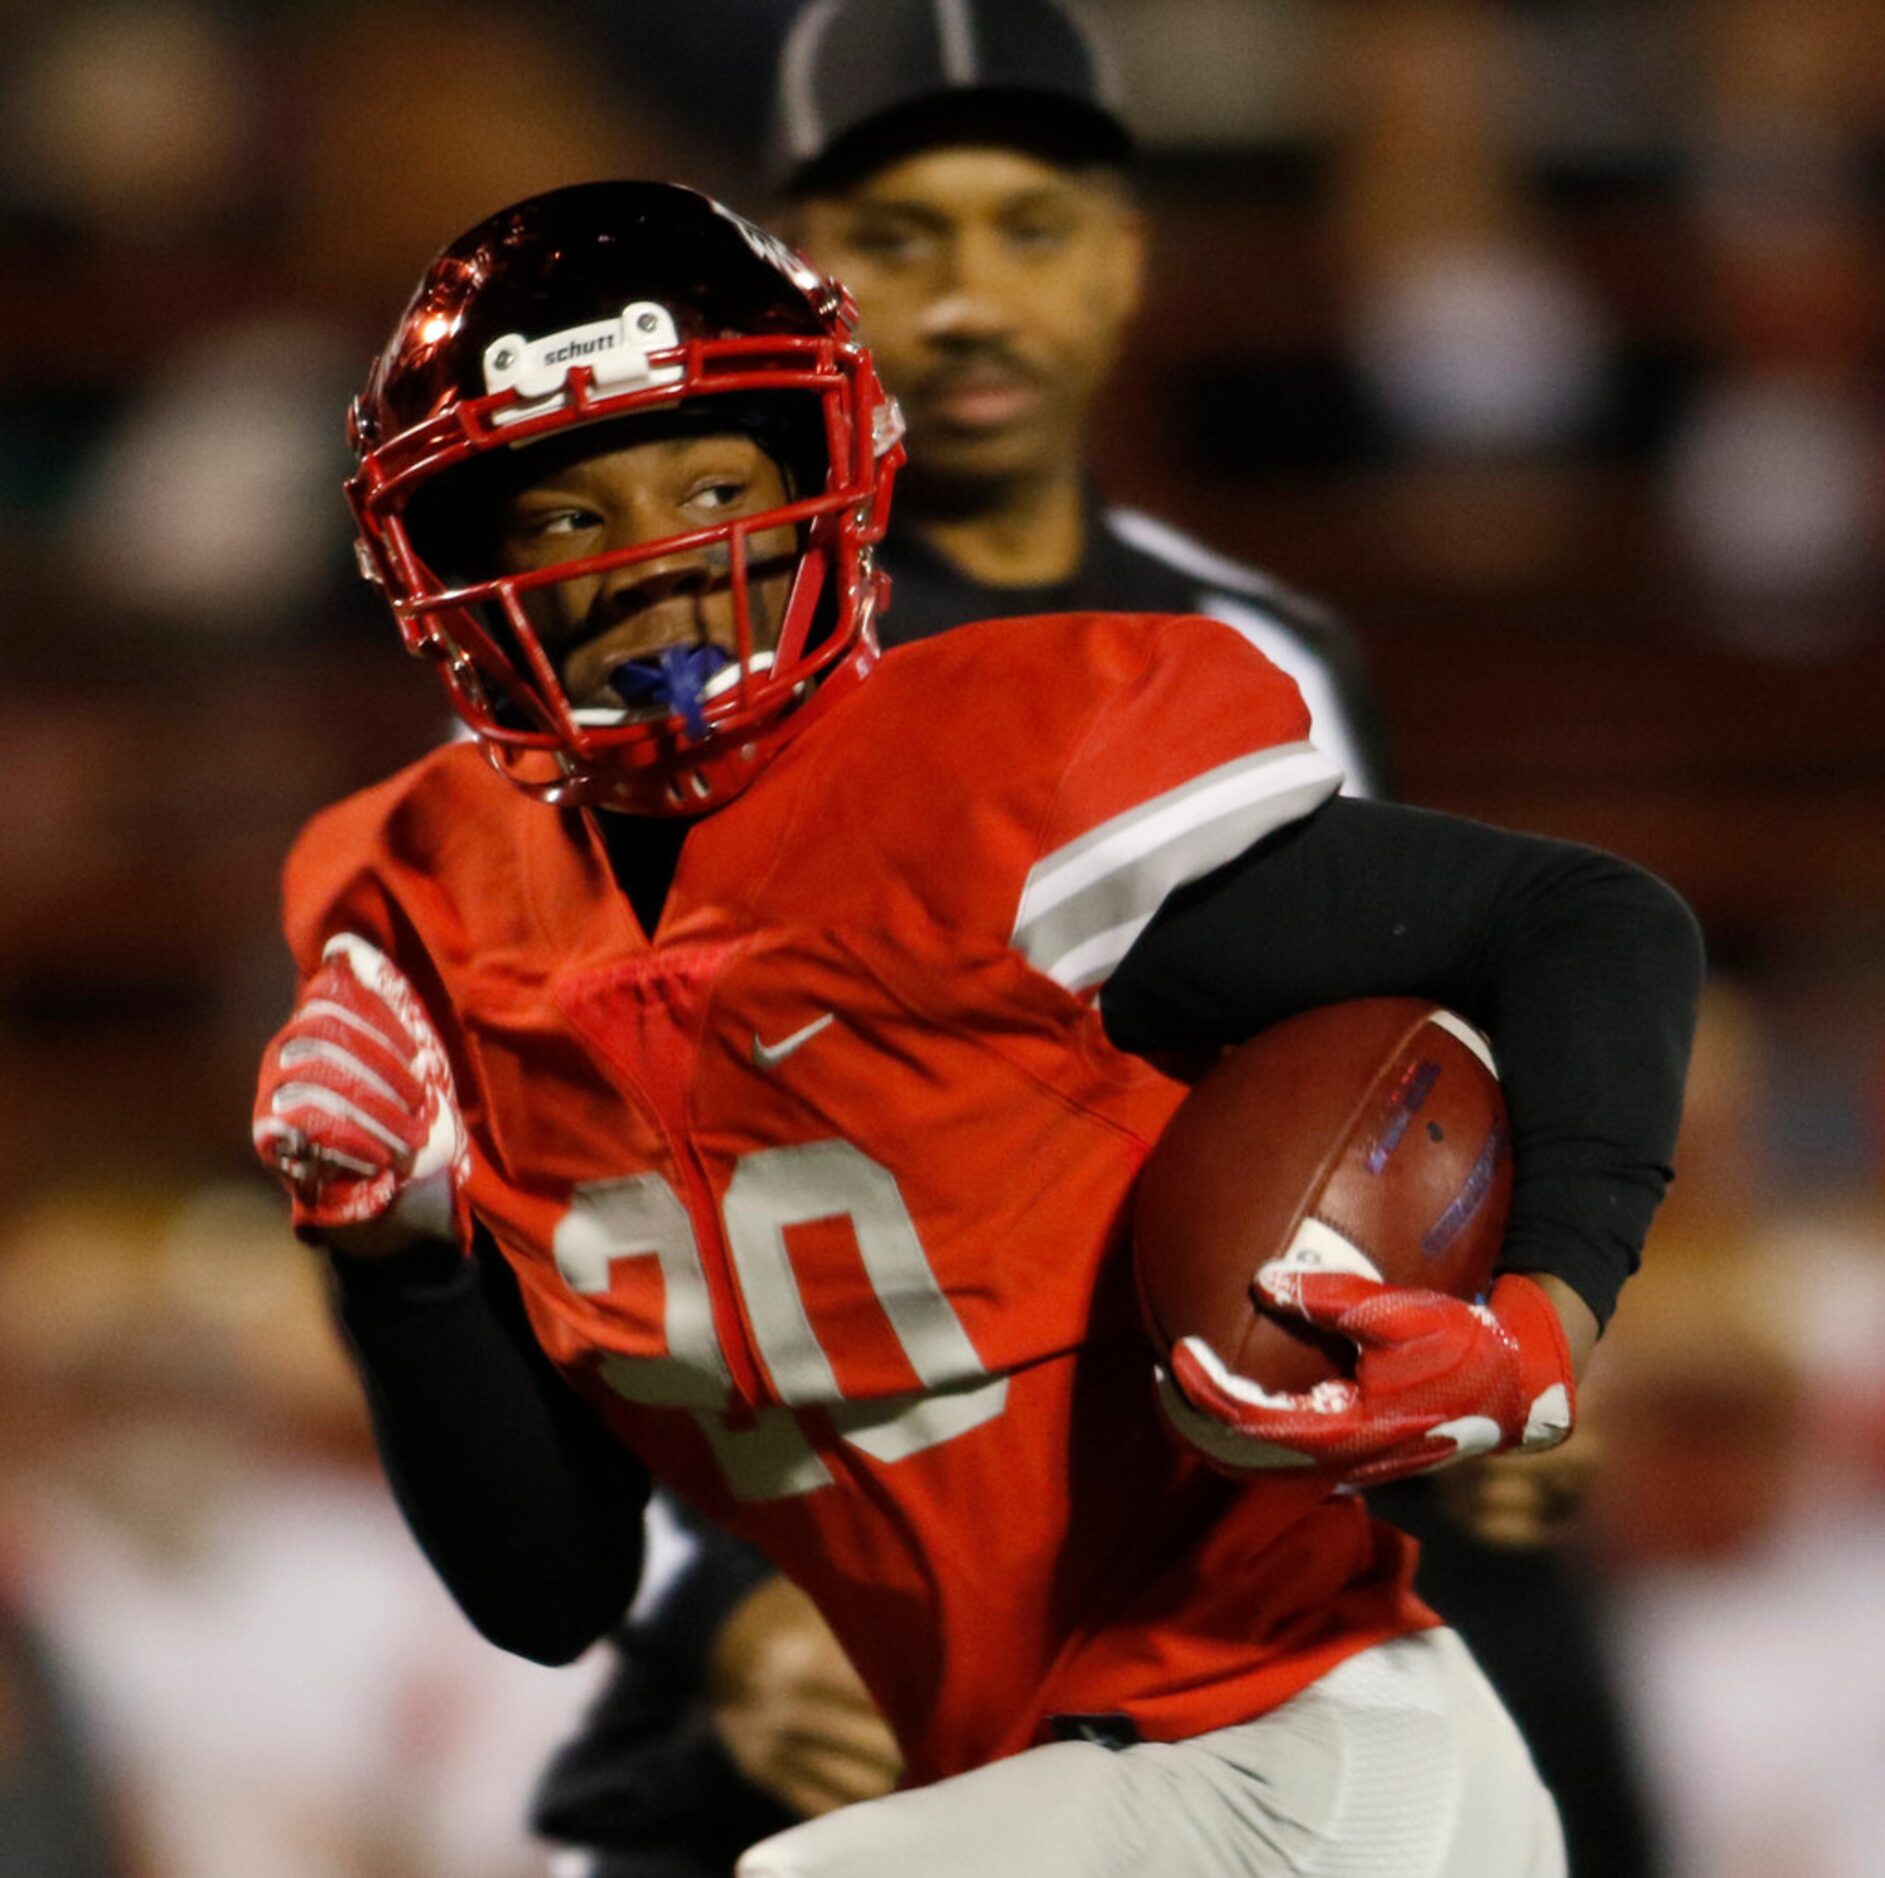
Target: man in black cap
[(961, 166)]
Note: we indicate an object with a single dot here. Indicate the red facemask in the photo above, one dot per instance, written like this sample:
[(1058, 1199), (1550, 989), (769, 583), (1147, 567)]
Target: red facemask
[(594, 304)]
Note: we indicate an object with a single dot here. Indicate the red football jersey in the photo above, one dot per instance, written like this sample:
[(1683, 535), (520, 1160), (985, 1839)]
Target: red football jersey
[(818, 1193)]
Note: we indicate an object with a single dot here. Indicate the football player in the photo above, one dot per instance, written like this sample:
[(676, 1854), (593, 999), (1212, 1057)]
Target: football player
[(965, 168), (730, 1065)]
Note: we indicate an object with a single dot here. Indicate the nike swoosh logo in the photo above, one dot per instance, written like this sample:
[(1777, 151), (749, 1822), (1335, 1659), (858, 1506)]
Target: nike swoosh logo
[(771, 1055)]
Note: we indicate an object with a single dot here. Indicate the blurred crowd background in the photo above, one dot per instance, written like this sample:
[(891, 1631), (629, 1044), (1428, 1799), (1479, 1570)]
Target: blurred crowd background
[(1542, 338)]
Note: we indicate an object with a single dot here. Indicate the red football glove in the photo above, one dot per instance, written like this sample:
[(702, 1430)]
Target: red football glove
[(1437, 1381), (355, 1112)]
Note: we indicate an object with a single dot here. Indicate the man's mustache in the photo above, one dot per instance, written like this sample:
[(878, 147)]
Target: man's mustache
[(984, 361)]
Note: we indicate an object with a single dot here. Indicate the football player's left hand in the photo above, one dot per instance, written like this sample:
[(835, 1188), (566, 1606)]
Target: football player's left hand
[(1437, 1380)]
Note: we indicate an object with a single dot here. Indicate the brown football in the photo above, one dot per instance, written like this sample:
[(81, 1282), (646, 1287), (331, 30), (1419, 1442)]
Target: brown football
[(1368, 1136)]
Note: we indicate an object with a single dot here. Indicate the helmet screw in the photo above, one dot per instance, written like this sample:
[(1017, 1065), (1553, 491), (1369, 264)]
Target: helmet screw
[(504, 360), (647, 322)]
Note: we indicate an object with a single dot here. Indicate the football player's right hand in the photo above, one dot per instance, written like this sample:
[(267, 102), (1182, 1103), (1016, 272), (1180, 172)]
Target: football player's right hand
[(355, 1112)]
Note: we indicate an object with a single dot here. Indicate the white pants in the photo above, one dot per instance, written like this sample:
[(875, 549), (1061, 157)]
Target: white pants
[(1400, 1763)]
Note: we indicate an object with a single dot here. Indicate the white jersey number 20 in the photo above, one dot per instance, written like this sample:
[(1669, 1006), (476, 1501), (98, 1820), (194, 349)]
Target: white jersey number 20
[(772, 1190)]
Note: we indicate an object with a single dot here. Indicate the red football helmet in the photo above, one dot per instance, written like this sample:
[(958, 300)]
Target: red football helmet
[(594, 303)]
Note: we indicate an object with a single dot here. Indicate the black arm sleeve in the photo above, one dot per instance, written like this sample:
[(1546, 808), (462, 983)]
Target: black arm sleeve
[(647, 1772), (1582, 969), (526, 1506)]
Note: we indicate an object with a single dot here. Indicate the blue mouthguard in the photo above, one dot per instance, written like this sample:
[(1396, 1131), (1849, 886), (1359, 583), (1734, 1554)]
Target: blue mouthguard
[(672, 679)]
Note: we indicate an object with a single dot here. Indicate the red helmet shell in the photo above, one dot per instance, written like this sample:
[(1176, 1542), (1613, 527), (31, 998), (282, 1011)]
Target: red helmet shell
[(596, 302)]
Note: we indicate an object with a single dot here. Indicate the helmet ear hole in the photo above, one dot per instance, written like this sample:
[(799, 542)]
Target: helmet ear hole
[(451, 524)]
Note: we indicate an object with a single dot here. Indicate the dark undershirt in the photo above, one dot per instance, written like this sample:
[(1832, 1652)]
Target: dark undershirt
[(930, 594), (644, 854), (1583, 970)]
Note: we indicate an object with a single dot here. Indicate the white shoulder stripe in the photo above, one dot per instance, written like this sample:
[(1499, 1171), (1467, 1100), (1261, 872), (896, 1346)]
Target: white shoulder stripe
[(1118, 843), (1289, 653), (1205, 565), (1251, 603), (1083, 905)]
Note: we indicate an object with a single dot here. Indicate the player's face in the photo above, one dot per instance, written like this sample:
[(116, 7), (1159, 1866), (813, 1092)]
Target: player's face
[(993, 288), (626, 498)]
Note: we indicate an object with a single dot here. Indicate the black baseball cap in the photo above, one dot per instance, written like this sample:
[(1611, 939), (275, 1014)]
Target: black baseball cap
[(863, 82)]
